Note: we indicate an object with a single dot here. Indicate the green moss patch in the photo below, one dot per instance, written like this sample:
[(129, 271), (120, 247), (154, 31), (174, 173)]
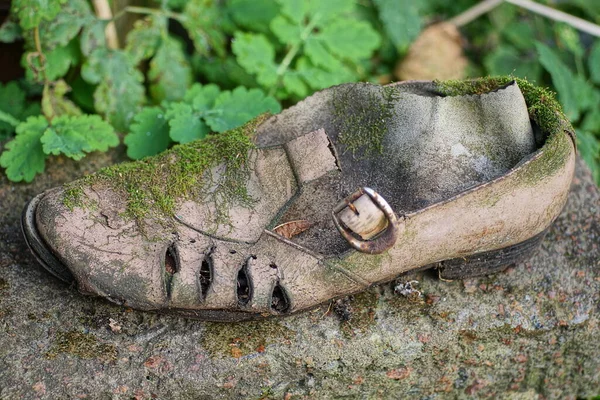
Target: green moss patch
[(154, 184), (240, 339), (82, 345), (363, 121)]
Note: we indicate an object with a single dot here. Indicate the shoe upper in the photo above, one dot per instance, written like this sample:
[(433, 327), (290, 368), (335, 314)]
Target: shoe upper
[(463, 174)]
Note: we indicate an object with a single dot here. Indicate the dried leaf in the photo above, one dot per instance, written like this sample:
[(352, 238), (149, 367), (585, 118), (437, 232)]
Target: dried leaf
[(436, 54), (290, 229)]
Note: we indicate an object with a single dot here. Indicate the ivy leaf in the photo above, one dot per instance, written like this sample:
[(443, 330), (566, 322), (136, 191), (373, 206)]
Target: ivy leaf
[(350, 39), (170, 73), (23, 157), (10, 31), (401, 20), (74, 136), (32, 12), (186, 125), (255, 15), (204, 23), (256, 55), (594, 62), (66, 25), (143, 39), (120, 91), (55, 104), (239, 106), (149, 133), (93, 36)]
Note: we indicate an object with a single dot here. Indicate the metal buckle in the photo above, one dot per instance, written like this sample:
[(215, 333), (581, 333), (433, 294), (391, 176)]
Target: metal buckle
[(381, 242)]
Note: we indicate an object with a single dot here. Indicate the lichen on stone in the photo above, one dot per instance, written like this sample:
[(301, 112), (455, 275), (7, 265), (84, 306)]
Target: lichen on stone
[(82, 345), (155, 184)]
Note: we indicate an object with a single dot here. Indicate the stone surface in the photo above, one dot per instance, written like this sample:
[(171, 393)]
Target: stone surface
[(529, 332)]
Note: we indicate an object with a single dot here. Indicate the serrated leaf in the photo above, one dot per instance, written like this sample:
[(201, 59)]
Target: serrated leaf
[(318, 11), (120, 91), (186, 125), (320, 56), (255, 15), (12, 102), (74, 136), (23, 156), (149, 133), (9, 31), (562, 78), (204, 23), (143, 39), (594, 62), (170, 73), (293, 84), (318, 78), (55, 104), (66, 25), (239, 106), (350, 39), (287, 32), (400, 19), (202, 98), (32, 12), (93, 36), (256, 55)]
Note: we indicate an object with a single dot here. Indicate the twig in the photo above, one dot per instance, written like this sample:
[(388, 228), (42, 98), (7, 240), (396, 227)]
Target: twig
[(103, 11), (548, 12), (556, 15), (475, 12)]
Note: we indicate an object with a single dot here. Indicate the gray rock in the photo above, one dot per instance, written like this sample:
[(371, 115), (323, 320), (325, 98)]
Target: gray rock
[(529, 332)]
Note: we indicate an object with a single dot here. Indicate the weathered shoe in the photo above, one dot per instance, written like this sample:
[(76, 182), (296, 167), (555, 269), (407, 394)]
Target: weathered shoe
[(353, 186)]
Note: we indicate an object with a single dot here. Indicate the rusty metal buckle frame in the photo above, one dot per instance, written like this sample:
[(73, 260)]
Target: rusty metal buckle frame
[(381, 242)]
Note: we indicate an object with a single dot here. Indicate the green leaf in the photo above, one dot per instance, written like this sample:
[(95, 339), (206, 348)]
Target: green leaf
[(507, 60), (320, 56), (570, 39), (74, 136), (32, 12), (287, 32), (12, 102), (226, 73), (256, 55), (239, 106), (293, 83), (55, 104), (23, 156), (202, 98), (10, 31), (58, 62), (350, 39), (255, 15), (204, 23), (93, 36), (589, 149), (318, 78), (594, 62), (170, 73), (143, 39), (120, 91), (66, 25), (591, 122), (401, 20), (186, 125), (149, 133), (562, 78)]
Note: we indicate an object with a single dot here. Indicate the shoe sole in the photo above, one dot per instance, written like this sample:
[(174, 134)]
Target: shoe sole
[(473, 265)]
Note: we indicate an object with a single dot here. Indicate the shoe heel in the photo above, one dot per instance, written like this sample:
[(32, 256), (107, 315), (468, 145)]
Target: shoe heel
[(489, 262)]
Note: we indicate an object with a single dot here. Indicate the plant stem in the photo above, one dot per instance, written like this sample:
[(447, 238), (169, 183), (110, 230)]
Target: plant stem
[(289, 57), (103, 11), (153, 11), (40, 54)]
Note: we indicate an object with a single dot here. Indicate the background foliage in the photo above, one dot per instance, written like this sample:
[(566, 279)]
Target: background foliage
[(187, 68)]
